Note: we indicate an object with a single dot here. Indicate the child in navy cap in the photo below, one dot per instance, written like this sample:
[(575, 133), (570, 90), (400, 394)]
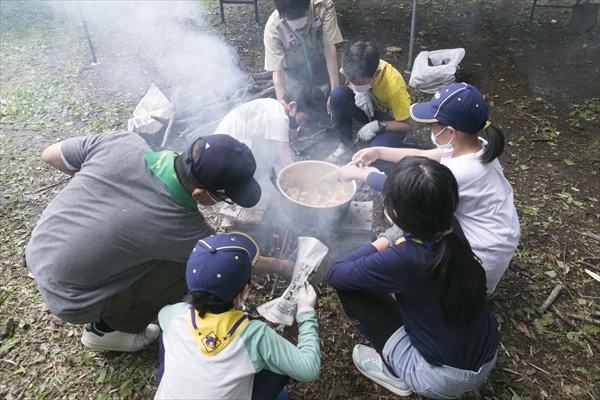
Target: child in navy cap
[(212, 350), (458, 113)]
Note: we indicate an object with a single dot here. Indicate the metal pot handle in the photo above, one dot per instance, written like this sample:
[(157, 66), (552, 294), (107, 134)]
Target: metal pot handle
[(273, 177)]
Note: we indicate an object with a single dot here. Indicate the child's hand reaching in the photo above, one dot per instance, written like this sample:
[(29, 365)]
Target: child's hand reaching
[(367, 156), (353, 173), (306, 297)]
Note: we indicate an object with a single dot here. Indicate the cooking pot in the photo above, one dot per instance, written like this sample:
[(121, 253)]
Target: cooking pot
[(303, 214)]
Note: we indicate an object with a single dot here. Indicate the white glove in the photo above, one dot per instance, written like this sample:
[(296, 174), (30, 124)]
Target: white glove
[(368, 131), (306, 297), (364, 102), (392, 234)]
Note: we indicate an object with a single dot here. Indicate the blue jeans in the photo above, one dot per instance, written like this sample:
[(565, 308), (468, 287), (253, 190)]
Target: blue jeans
[(436, 382), (344, 109)]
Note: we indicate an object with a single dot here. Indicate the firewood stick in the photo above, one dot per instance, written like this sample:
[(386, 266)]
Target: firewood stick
[(53, 185), (585, 319), (579, 331), (596, 313), (587, 264), (553, 295), (160, 119), (186, 131), (207, 126), (168, 131), (592, 235)]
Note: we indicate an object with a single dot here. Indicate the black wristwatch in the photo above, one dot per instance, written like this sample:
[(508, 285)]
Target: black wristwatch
[(382, 125)]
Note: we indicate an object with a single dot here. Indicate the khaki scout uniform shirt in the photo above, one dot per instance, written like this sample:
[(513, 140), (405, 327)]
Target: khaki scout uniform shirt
[(283, 48)]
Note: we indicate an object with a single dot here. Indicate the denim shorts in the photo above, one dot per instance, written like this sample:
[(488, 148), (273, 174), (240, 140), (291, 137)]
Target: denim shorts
[(436, 382)]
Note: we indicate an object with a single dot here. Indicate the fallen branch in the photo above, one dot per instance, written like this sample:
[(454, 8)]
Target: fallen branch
[(585, 319), (587, 264), (579, 331), (53, 185), (542, 140), (553, 295), (592, 235), (168, 131)]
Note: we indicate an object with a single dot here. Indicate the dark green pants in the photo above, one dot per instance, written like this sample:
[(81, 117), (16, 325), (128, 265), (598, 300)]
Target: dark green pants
[(137, 306)]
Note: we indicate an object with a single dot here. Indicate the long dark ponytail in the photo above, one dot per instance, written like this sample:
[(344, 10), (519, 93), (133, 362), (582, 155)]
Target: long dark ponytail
[(495, 147), (421, 195)]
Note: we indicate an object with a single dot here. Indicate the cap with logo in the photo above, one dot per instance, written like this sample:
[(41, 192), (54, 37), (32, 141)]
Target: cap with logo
[(226, 166), (459, 105), (221, 264)]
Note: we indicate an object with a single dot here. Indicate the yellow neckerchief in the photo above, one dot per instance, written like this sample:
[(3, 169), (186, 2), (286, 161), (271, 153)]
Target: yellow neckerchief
[(215, 331), (436, 238), (406, 237)]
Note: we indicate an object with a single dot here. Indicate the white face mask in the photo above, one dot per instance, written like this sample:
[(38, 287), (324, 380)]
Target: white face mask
[(361, 88), (297, 24), (438, 145)]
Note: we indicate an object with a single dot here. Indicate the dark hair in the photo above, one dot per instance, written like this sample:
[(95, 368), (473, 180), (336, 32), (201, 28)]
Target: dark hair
[(361, 61), (292, 9), (204, 302), (495, 147), (189, 181), (421, 196), (308, 97)]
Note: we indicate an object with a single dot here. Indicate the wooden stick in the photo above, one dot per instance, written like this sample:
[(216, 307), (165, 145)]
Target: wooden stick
[(585, 319), (592, 235), (333, 173), (53, 185), (553, 295), (587, 264), (168, 131), (579, 331)]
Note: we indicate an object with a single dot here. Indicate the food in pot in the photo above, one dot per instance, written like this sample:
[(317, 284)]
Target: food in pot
[(308, 194)]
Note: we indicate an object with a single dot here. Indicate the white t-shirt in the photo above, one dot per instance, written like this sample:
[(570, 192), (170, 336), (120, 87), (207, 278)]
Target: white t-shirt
[(486, 211), (261, 117)]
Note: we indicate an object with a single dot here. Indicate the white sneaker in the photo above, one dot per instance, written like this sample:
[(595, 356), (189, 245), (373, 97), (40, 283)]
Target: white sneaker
[(369, 363), (342, 155), (119, 341)]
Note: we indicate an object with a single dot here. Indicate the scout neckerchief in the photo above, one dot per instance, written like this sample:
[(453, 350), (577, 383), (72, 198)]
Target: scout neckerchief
[(162, 164), (215, 331), (307, 56), (427, 245)]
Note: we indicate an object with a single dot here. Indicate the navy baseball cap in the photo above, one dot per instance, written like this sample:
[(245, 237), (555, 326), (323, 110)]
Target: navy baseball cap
[(221, 264), (459, 105), (226, 166)]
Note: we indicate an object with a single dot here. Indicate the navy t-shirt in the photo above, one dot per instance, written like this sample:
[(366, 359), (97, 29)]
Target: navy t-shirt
[(400, 269)]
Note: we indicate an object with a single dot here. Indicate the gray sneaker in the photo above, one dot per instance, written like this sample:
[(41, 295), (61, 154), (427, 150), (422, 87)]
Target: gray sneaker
[(342, 155), (369, 363), (119, 341)]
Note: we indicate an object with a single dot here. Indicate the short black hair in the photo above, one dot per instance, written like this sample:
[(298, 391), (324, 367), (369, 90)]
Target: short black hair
[(204, 302), (292, 9), (309, 98), (361, 61), (189, 181)]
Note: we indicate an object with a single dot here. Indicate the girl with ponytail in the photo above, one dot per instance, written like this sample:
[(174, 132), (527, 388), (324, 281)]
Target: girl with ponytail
[(418, 293), (457, 114)]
